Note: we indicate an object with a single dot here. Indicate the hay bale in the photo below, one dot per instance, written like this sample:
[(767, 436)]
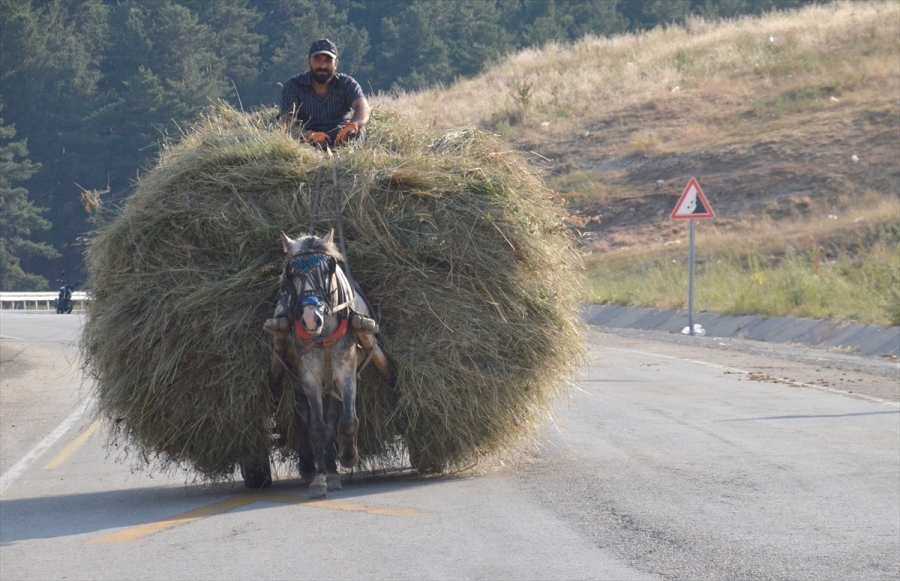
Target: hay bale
[(454, 238)]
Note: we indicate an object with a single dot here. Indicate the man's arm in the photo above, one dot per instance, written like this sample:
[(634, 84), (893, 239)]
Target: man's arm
[(361, 111)]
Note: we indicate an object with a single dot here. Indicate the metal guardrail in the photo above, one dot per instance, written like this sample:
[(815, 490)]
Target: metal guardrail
[(41, 301)]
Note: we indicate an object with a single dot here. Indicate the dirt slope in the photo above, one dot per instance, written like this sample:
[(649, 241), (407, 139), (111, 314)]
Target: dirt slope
[(782, 116), (822, 160)]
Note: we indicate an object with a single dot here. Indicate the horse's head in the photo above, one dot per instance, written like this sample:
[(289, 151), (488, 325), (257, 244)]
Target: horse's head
[(309, 272), (297, 246)]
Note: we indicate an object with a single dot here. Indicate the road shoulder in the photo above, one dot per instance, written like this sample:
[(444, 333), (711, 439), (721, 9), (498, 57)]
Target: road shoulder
[(40, 385)]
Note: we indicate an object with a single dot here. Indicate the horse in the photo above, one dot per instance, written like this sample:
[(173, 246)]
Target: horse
[(320, 324)]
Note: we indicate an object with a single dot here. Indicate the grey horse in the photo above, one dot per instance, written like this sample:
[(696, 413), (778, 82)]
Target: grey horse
[(320, 327)]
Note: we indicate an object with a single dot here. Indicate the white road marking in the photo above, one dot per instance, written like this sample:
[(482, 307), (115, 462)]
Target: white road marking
[(22, 465)]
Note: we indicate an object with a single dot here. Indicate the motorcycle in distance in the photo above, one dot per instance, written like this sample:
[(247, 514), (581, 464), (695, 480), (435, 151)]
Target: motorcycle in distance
[(64, 300)]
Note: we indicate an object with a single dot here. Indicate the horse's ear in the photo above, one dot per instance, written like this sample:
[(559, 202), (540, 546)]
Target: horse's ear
[(286, 242), (330, 238)]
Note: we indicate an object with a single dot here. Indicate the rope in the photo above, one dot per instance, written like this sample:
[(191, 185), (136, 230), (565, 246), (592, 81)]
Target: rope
[(317, 197), (338, 217)]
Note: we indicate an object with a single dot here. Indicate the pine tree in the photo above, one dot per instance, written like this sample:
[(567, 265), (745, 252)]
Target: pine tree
[(164, 63), (596, 17), (290, 26), (432, 41), (18, 217), (232, 22), (49, 73)]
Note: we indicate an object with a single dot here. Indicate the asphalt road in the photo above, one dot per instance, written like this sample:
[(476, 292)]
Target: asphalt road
[(670, 460)]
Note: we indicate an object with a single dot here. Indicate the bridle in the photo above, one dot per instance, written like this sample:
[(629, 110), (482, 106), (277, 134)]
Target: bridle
[(318, 271), (312, 279)]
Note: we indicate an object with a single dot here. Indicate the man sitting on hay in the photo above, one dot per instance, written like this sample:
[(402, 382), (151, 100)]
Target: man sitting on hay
[(324, 107)]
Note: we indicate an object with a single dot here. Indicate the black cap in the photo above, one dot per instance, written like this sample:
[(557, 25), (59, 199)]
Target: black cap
[(323, 46)]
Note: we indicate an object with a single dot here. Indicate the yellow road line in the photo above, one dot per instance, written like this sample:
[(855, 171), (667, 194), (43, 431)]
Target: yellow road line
[(67, 452), (340, 505), (352, 506), (141, 531), (177, 520)]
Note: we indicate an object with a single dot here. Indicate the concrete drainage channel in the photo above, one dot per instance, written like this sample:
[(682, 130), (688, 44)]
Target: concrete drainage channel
[(845, 337)]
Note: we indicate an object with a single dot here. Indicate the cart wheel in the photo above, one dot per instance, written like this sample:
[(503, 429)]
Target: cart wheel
[(423, 462), (256, 475)]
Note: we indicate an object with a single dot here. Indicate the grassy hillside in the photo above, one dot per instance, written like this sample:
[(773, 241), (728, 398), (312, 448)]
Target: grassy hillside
[(790, 122)]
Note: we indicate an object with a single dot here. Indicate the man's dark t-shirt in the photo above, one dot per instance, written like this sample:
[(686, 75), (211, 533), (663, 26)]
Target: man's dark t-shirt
[(328, 115)]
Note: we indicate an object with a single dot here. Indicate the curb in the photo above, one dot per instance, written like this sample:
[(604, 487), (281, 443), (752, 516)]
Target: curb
[(850, 337)]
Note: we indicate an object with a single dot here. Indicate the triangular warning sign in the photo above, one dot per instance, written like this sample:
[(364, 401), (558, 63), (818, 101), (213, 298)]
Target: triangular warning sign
[(692, 205)]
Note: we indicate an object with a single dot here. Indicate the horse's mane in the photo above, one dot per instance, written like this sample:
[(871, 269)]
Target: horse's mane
[(323, 246)]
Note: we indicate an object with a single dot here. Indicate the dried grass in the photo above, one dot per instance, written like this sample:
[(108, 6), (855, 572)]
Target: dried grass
[(454, 239), (581, 84), (843, 266)]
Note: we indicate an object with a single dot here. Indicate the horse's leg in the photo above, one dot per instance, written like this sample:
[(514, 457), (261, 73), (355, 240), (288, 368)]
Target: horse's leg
[(319, 486), (312, 387), (332, 420), (291, 354), (350, 426), (346, 375), (305, 450), (276, 328)]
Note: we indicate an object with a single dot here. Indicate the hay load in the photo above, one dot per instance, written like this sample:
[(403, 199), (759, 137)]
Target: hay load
[(454, 239)]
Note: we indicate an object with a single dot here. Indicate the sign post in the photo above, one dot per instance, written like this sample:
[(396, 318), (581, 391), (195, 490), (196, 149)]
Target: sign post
[(692, 206)]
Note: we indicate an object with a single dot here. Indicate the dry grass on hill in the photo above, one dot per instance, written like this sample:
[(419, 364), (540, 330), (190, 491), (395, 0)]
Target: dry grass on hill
[(790, 122), (761, 110), (838, 49)]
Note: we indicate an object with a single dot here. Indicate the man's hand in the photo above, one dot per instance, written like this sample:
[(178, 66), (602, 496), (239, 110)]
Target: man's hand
[(349, 131), (317, 138)]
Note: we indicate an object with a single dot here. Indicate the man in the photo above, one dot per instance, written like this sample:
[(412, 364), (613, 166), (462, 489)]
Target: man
[(323, 106)]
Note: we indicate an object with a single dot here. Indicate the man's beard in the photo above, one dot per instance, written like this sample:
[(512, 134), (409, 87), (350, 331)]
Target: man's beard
[(322, 76)]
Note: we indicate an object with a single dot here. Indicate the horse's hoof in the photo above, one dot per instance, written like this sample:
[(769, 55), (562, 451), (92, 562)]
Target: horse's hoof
[(307, 477), (334, 482), (319, 487)]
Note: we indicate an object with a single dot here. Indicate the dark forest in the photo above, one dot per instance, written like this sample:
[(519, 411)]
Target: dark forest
[(90, 89)]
